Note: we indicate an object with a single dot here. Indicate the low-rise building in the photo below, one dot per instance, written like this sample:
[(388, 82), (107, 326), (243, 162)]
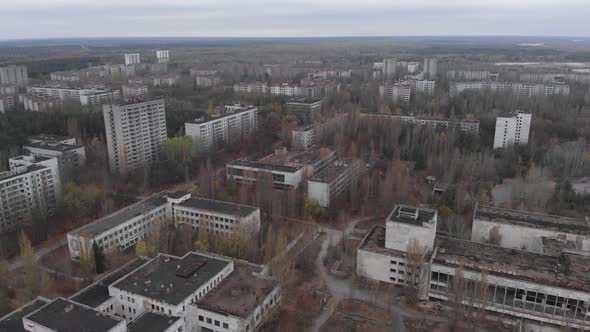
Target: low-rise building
[(467, 126), (135, 90), (86, 97), (549, 288), (335, 180), (216, 217), (235, 123), (38, 103), (206, 81), (65, 76), (31, 186), (240, 303), (288, 170), (528, 231), (65, 315), (468, 75), (13, 321), (304, 106), (522, 89), (256, 87), (305, 137), (69, 154), (124, 228)]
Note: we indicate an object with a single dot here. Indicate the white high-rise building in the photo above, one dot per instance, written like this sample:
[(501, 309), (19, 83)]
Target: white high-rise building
[(135, 132), (389, 67), (14, 75), (512, 130), (32, 185), (423, 86), (235, 123), (69, 154), (132, 59), (430, 68), (162, 56), (397, 92)]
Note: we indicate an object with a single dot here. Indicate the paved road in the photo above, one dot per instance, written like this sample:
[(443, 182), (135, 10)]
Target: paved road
[(346, 289), (39, 253)]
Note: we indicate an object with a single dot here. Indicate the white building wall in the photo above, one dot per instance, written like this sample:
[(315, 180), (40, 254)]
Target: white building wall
[(521, 237), (398, 235), (132, 59), (135, 133), (512, 130), (373, 265), (319, 191)]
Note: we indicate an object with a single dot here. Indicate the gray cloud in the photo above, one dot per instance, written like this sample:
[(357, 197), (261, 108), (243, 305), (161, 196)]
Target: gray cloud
[(110, 18)]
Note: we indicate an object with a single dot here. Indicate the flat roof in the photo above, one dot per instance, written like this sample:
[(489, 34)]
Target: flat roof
[(374, 241), (334, 170), (26, 169), (532, 220), (567, 271), (119, 217), (411, 214), (265, 166), (13, 322), (287, 161), (152, 322), (98, 293), (239, 293), (49, 137), (172, 279), (304, 101), (218, 206), (52, 146), (208, 118), (65, 315)]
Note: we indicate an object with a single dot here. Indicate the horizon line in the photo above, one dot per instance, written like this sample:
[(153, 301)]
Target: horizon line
[(295, 37)]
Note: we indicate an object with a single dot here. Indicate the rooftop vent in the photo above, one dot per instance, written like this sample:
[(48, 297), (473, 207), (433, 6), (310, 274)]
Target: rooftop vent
[(407, 212)]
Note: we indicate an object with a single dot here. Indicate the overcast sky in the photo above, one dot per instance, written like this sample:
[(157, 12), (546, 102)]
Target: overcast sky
[(21, 19)]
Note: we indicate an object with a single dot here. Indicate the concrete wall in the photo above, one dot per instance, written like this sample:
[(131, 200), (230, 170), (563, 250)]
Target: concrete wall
[(319, 191), (373, 265), (521, 237), (398, 235)]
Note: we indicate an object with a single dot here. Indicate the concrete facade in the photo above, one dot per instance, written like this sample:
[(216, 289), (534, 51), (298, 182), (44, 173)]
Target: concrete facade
[(135, 132), (512, 130), (236, 123), (14, 75), (32, 184), (132, 59)]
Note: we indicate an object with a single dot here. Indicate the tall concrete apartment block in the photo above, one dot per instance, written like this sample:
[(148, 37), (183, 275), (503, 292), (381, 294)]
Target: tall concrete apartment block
[(32, 185), (235, 123), (69, 154), (512, 130), (132, 59), (389, 65), (135, 132), (14, 75), (162, 56), (430, 65)]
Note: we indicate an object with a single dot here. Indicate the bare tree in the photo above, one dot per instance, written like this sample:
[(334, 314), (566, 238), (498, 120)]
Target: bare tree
[(415, 255)]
